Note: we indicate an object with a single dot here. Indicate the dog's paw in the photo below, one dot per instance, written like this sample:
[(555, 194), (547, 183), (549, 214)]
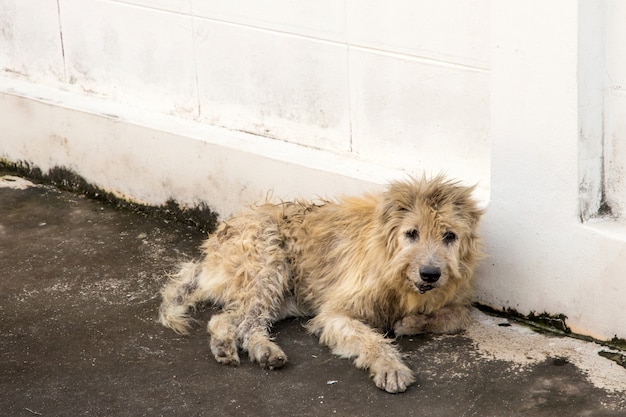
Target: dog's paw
[(269, 355), (225, 352), (410, 325), (393, 379)]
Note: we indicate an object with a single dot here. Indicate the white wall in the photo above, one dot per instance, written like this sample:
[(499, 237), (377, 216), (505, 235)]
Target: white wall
[(220, 102), (548, 144), (602, 89), (615, 105), (311, 73)]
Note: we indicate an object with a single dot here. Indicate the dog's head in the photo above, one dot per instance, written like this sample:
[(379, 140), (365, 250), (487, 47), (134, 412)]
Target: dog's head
[(430, 230)]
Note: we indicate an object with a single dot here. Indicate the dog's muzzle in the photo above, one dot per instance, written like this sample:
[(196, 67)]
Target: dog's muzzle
[(429, 275)]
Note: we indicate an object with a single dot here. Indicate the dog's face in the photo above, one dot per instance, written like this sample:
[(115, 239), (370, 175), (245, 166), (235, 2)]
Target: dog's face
[(430, 229)]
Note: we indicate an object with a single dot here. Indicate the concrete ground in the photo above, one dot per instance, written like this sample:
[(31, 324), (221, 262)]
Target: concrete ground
[(78, 336)]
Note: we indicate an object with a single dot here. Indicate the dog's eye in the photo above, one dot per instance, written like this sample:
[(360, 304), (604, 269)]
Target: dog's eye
[(413, 234), (449, 237)]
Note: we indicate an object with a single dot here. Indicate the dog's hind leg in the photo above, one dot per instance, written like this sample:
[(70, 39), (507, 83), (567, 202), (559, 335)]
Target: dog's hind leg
[(350, 338), (265, 275), (223, 330), (253, 331)]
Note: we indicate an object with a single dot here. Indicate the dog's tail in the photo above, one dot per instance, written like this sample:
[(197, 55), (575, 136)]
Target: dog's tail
[(179, 296)]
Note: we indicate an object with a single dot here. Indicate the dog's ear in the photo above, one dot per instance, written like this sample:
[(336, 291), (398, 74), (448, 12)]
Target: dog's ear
[(395, 200), (389, 209), (471, 248), (467, 206), (394, 204)]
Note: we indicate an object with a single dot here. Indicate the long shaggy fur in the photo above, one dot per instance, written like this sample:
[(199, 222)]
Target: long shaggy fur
[(399, 260)]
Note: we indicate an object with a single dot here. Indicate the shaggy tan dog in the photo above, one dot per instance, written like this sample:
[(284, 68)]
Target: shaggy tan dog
[(399, 260)]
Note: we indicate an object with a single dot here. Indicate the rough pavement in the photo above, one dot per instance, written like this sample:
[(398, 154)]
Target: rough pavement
[(78, 337)]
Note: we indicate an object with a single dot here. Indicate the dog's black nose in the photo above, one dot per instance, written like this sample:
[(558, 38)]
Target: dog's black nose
[(430, 274)]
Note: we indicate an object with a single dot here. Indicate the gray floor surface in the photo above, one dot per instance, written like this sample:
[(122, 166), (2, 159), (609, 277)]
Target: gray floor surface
[(78, 337)]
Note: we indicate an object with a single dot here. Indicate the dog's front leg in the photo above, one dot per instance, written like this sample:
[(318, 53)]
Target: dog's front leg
[(448, 319), (350, 338)]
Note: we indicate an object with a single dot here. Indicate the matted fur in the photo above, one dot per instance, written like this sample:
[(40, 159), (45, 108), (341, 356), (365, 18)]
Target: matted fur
[(398, 260)]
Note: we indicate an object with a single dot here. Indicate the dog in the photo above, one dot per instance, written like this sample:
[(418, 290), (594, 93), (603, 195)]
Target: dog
[(399, 260)]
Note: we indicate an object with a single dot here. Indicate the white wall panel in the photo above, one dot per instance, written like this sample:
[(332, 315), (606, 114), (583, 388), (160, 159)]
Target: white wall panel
[(448, 30), (615, 107), (272, 84), (417, 116), (30, 40), (616, 43), (615, 151), (130, 54), (322, 18), (178, 6)]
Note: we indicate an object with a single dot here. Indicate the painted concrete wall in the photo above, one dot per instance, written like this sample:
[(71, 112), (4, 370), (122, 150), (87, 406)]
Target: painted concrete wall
[(615, 105), (221, 102), (310, 73), (546, 118)]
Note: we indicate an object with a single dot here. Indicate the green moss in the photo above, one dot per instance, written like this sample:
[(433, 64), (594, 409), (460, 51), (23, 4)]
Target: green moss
[(618, 358), (542, 322), (550, 324), (618, 343), (200, 217)]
